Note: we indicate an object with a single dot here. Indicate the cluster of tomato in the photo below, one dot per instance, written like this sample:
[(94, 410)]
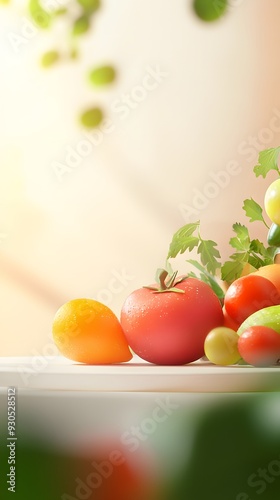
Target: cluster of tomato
[(179, 320), (176, 325), (247, 334)]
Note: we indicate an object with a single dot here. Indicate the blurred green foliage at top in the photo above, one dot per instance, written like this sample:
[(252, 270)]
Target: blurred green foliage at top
[(78, 16)]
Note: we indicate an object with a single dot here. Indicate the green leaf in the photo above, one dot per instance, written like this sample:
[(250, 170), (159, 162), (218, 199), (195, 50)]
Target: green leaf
[(242, 240), (232, 269), (183, 240), (207, 278), (268, 160), (90, 5), (264, 255), (192, 243), (258, 247), (49, 58), (253, 210), (81, 25), (209, 255), (256, 261), (39, 15), (92, 118), (103, 75)]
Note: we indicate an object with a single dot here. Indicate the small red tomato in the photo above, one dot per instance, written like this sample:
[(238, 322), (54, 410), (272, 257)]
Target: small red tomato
[(169, 328), (259, 345), (249, 294)]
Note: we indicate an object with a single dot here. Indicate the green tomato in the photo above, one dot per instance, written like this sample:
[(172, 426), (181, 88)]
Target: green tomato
[(210, 10), (91, 118), (269, 316), (102, 75), (273, 237), (220, 346), (39, 15), (49, 58), (81, 25), (90, 5), (272, 202)]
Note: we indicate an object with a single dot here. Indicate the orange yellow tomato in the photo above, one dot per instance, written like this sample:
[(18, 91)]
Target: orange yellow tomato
[(272, 273), (88, 331)]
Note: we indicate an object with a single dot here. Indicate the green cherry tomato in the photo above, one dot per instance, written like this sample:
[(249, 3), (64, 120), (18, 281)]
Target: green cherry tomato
[(49, 58), (103, 75), (81, 25), (220, 346), (89, 5), (273, 237), (210, 10), (91, 118), (272, 202)]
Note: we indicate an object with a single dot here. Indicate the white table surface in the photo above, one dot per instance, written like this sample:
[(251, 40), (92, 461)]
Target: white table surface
[(58, 373)]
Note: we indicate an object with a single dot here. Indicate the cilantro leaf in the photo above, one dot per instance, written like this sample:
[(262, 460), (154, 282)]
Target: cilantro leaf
[(248, 254), (252, 251), (267, 161), (257, 246), (183, 240), (232, 269), (242, 240), (253, 210), (255, 261), (263, 256), (192, 242), (209, 255)]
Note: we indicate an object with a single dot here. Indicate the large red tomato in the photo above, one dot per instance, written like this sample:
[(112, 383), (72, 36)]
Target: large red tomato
[(169, 328)]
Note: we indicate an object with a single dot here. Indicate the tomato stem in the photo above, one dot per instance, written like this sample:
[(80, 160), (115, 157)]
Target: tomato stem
[(166, 286)]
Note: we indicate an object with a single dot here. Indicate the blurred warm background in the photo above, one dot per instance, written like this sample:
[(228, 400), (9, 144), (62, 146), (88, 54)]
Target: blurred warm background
[(94, 219)]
